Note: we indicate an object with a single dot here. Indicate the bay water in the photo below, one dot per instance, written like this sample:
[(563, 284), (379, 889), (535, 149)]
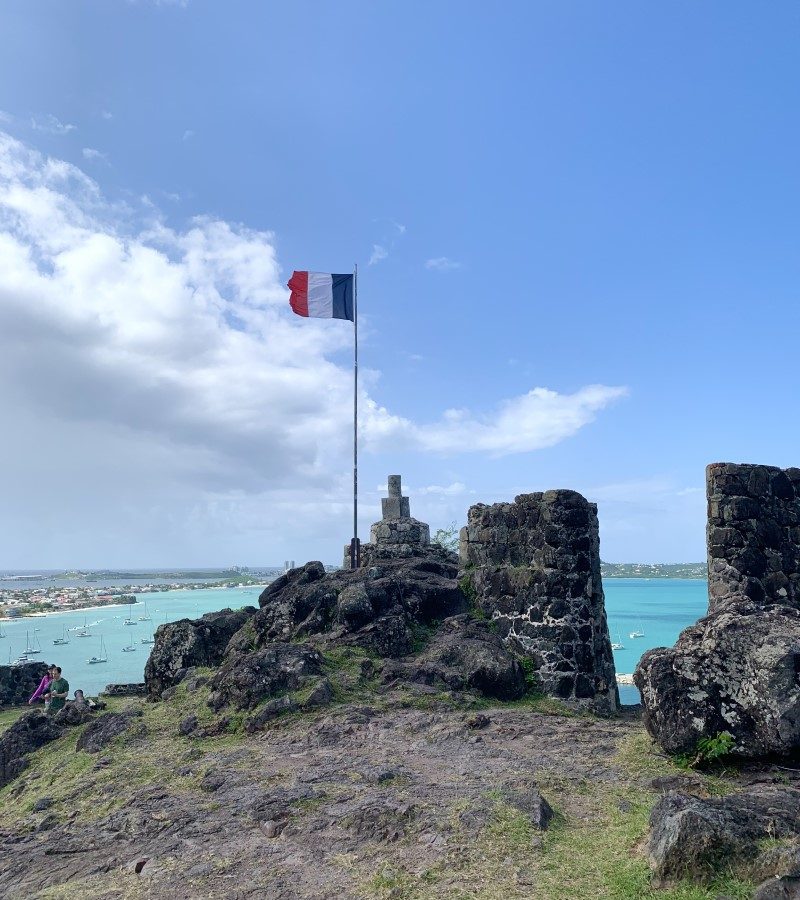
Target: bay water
[(661, 608), (107, 622)]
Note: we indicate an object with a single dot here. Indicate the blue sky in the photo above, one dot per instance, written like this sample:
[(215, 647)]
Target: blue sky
[(538, 195)]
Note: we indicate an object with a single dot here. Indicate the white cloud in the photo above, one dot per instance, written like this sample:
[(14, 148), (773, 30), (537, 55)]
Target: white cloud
[(51, 125), (456, 489), (379, 252), (107, 115), (442, 264), (5, 117), (94, 155), (541, 418), (159, 377), (188, 135)]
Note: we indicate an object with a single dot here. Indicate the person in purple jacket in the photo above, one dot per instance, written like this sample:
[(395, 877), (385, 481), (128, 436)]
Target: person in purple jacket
[(44, 684)]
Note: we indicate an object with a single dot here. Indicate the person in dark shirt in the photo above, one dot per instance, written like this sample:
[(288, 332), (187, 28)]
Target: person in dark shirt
[(58, 692)]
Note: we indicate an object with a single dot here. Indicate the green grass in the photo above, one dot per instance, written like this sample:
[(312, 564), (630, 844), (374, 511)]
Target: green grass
[(9, 716), (144, 755), (344, 659), (468, 589), (592, 849), (421, 636), (596, 854)]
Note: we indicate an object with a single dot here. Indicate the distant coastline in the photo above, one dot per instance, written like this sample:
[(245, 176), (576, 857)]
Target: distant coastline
[(20, 600), (654, 570), (96, 606)]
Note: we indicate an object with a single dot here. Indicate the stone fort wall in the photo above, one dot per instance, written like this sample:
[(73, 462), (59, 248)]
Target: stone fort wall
[(533, 566), (753, 535)]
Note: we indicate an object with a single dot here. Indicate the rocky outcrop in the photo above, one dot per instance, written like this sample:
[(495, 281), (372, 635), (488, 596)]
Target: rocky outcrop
[(780, 887), (31, 731), (533, 567), (738, 671), (191, 642), (74, 713), (375, 608), (17, 683), (245, 679), (102, 730), (464, 655), (133, 689), (753, 535), (755, 833)]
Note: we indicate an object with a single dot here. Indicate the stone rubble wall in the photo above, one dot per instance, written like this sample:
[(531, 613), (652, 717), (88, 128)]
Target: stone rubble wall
[(393, 539), (753, 535), (17, 683), (400, 532), (533, 566)]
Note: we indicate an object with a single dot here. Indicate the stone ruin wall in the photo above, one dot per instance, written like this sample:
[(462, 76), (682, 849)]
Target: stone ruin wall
[(534, 568), (753, 535)]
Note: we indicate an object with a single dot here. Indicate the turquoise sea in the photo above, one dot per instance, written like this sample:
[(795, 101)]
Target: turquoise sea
[(659, 608), (107, 622)]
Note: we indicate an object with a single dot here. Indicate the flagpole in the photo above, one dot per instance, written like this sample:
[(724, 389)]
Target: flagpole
[(355, 554)]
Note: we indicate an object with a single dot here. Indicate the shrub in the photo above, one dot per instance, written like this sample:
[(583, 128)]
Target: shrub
[(446, 538), (708, 750)]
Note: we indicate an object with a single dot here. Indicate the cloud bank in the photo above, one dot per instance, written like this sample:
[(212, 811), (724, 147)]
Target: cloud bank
[(140, 362)]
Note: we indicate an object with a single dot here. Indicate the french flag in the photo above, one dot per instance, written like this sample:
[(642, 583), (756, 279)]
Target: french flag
[(321, 295)]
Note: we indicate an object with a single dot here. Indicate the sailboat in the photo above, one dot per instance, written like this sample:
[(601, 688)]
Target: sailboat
[(2, 633), (146, 616), (34, 648), (638, 632), (83, 632), (130, 648), (149, 640), (129, 620), (63, 639), (617, 644), (103, 658)]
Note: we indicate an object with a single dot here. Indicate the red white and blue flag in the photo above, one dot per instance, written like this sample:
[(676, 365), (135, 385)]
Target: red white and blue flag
[(321, 295)]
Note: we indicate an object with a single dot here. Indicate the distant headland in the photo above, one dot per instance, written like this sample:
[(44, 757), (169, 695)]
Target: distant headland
[(654, 570)]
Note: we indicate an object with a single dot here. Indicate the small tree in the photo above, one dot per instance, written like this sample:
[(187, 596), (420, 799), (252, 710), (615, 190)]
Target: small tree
[(447, 538)]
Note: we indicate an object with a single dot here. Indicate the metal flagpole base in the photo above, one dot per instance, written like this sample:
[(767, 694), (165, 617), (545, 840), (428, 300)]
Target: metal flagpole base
[(355, 553)]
